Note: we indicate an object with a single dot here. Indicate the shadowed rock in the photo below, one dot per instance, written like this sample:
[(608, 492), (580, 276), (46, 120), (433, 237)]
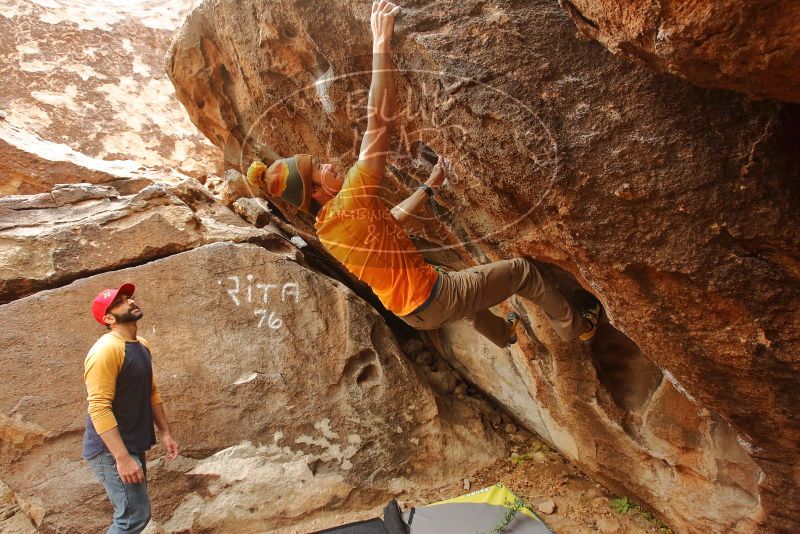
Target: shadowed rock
[(676, 205), (746, 46)]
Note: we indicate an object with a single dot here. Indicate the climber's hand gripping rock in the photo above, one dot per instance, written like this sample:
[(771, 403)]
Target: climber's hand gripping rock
[(382, 22)]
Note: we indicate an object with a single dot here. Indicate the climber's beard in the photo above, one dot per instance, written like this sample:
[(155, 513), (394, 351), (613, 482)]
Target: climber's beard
[(130, 316)]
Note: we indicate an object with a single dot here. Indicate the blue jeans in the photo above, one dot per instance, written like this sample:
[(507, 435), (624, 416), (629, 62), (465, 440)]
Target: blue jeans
[(131, 503)]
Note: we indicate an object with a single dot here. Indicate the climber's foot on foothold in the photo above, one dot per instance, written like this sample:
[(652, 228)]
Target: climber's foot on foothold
[(590, 310), (513, 320)]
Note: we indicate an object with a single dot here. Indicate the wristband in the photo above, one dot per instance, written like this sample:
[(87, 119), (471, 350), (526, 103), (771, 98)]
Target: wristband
[(427, 189)]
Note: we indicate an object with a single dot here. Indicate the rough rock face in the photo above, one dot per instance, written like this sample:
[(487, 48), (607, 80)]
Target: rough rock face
[(637, 427), (86, 81), (80, 229), (275, 378), (29, 164), (746, 46), (12, 519), (676, 205)]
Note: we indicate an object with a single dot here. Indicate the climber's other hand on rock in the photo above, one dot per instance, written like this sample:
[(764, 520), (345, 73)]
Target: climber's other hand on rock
[(382, 22), (438, 174)]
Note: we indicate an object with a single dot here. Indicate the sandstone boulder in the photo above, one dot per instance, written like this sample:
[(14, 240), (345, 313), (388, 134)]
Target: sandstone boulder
[(746, 46), (29, 164), (12, 519), (676, 205), (280, 384), (85, 83), (79, 229), (612, 411), (253, 210), (229, 187)]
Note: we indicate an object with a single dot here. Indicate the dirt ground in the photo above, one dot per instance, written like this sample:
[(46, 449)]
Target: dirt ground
[(534, 472), (540, 475), (536, 476)]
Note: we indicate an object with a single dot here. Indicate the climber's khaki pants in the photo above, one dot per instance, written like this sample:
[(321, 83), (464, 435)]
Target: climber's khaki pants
[(467, 294)]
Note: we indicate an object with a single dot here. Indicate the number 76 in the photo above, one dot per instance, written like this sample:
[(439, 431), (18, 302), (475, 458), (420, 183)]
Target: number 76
[(273, 322)]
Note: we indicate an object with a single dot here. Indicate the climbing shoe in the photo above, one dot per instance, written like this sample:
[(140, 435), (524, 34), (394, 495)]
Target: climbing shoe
[(513, 320), (590, 310)]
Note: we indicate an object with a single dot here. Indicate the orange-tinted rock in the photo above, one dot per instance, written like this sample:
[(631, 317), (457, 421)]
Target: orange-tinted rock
[(677, 205), (288, 395), (76, 230), (87, 80), (229, 187), (28, 165), (743, 45)]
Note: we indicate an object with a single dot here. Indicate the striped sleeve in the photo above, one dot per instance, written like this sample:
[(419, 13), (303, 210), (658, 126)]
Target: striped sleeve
[(101, 368)]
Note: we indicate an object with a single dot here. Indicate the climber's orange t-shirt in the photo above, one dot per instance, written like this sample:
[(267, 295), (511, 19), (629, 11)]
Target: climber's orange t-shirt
[(359, 231)]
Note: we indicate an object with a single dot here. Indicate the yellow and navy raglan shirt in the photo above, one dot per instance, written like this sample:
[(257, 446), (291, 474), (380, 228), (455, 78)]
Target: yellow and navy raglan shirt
[(122, 391), (360, 231)]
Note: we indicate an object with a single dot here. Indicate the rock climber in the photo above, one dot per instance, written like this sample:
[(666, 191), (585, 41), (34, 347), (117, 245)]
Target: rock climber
[(358, 230), (123, 405)]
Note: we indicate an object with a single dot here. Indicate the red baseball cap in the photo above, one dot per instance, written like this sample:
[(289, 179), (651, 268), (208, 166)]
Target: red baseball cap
[(104, 299)]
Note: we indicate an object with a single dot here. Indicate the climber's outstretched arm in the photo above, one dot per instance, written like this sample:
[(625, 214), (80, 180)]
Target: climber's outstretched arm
[(381, 102)]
